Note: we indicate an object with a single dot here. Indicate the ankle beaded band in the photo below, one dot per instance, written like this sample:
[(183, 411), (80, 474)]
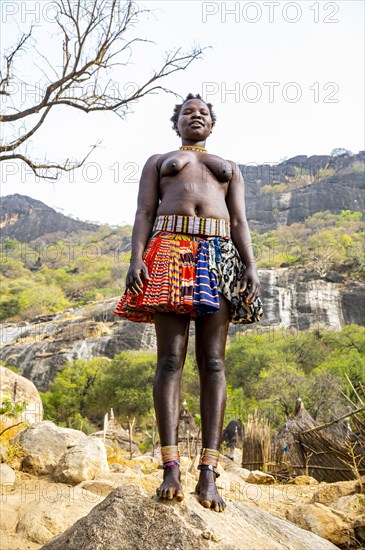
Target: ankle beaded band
[(170, 464), (204, 467), (170, 456), (209, 457)]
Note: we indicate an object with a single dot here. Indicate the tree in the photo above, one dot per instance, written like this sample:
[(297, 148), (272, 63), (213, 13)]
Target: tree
[(337, 151), (95, 36), (73, 397)]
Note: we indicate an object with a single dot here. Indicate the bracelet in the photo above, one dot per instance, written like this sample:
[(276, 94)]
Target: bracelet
[(170, 463), (205, 467)]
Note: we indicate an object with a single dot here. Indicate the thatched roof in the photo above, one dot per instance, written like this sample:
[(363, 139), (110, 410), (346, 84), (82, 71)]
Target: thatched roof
[(329, 452)]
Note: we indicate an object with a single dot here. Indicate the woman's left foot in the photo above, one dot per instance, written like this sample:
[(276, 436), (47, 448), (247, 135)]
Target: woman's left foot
[(207, 491)]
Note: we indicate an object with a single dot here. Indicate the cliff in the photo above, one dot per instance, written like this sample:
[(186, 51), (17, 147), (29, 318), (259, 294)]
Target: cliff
[(26, 219), (301, 186)]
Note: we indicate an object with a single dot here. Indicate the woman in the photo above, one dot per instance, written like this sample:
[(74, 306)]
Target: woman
[(191, 258)]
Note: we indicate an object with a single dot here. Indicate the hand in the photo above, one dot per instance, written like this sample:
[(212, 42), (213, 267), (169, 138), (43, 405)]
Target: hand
[(250, 280), (136, 276)]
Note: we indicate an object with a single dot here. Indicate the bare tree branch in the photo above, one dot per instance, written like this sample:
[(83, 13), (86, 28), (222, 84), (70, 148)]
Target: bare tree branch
[(4, 81), (65, 167), (96, 36)]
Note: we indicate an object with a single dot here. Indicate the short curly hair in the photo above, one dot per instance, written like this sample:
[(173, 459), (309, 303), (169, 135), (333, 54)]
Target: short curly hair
[(178, 108)]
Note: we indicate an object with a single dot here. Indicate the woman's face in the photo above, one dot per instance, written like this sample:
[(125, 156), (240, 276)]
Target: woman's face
[(194, 122)]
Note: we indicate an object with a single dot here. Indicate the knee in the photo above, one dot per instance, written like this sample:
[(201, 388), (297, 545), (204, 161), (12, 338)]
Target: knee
[(213, 365), (171, 363)]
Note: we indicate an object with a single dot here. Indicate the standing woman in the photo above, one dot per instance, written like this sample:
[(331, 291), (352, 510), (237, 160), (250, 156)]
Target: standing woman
[(191, 258)]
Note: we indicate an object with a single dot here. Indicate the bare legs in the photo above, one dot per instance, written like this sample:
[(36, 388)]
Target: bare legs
[(210, 343), (172, 333), (172, 337)]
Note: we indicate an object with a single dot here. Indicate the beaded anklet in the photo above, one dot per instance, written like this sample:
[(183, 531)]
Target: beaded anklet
[(170, 456), (209, 460)]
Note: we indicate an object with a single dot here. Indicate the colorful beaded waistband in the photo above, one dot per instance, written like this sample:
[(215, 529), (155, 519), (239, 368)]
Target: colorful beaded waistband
[(176, 223)]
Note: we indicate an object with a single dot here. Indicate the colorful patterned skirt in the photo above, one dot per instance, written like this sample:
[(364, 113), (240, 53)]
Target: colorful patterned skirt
[(188, 271)]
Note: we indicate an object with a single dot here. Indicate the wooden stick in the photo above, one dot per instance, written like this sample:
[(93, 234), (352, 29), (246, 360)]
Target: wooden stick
[(327, 424)]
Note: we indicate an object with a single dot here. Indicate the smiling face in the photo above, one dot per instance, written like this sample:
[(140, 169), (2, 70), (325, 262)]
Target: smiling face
[(194, 122)]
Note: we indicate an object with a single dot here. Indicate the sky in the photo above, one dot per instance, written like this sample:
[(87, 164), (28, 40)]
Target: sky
[(285, 78)]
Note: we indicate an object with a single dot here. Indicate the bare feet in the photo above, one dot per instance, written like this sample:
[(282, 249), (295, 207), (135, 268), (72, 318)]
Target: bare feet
[(208, 492), (171, 486)]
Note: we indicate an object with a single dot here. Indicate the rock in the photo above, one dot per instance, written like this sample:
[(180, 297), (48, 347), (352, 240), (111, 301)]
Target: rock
[(334, 277), (7, 475), (8, 517), (57, 509), (146, 458), (359, 529), (100, 487), (328, 493), (117, 438), (117, 468), (2, 453), (243, 473), (350, 505), (304, 480), (118, 442), (44, 443), (18, 389), (128, 519), (260, 478), (82, 461), (323, 521)]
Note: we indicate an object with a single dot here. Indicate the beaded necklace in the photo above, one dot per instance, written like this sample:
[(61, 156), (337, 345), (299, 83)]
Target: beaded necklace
[(192, 148)]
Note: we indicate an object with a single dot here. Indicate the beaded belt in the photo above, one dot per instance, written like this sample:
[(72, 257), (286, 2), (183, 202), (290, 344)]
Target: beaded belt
[(175, 223)]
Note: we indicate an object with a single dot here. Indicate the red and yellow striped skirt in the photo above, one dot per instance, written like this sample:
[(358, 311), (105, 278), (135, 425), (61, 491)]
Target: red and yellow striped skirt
[(186, 275)]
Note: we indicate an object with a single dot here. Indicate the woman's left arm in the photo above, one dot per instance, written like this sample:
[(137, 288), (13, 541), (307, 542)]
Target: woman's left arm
[(241, 237)]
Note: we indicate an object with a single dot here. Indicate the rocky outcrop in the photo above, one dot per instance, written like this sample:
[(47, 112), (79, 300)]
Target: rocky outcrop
[(128, 519), (36, 508), (19, 390), (343, 190), (26, 219)]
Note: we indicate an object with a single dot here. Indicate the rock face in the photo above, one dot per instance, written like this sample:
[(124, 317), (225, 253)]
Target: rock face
[(25, 219), (298, 299), (128, 519), (42, 347), (44, 443), (341, 191), (84, 460), (20, 390)]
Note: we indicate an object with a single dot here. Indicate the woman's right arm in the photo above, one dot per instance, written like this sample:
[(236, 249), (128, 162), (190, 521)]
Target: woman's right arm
[(147, 203)]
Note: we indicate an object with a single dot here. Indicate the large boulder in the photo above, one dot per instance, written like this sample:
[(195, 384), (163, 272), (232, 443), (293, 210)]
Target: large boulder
[(129, 519), (18, 389), (43, 444), (324, 521), (84, 460), (56, 510)]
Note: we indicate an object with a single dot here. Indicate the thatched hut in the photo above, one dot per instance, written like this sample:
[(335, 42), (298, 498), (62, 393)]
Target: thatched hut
[(329, 452)]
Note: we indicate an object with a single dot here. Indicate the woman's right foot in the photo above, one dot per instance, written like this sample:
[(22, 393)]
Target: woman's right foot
[(171, 486)]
